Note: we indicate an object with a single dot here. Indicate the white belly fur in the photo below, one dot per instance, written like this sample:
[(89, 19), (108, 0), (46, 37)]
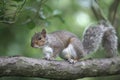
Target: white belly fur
[(48, 51)]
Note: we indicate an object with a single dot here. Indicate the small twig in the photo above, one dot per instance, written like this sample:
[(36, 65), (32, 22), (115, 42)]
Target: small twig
[(113, 11), (97, 11)]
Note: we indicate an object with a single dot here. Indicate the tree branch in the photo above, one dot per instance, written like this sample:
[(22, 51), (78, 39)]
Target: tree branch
[(29, 67)]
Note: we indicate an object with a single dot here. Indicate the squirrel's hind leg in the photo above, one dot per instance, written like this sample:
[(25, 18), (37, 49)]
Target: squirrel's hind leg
[(69, 54)]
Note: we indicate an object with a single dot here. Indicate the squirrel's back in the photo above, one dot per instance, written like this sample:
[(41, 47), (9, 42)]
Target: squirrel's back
[(61, 37)]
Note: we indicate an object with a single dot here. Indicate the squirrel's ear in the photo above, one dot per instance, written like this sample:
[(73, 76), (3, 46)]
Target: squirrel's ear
[(43, 32)]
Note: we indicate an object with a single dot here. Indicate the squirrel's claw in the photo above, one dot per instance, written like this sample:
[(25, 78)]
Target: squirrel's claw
[(72, 61), (49, 58)]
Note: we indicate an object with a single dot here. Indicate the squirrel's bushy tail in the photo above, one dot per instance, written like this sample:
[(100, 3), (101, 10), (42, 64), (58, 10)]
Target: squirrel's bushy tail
[(100, 33), (110, 42)]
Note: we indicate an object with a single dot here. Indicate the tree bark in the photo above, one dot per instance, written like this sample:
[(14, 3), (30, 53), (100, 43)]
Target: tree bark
[(29, 67)]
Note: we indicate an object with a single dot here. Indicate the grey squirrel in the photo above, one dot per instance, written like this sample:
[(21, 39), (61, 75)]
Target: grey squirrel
[(69, 47)]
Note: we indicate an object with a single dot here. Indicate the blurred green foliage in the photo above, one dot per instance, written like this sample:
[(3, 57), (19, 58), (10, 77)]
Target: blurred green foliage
[(20, 19)]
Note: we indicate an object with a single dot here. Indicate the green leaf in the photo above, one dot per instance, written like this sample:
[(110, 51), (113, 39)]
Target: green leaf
[(30, 24), (61, 19), (57, 12)]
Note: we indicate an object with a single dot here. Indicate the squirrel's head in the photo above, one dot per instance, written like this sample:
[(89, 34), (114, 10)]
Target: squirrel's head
[(39, 39)]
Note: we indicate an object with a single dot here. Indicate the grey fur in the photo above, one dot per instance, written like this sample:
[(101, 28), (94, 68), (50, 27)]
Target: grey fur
[(101, 33), (92, 38), (110, 42)]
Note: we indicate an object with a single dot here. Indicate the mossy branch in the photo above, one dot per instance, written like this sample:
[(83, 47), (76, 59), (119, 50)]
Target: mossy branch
[(29, 67)]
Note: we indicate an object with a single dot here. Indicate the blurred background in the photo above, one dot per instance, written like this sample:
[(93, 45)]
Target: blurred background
[(20, 19)]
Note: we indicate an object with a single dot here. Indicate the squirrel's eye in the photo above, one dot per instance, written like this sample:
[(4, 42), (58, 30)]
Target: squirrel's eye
[(39, 38)]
